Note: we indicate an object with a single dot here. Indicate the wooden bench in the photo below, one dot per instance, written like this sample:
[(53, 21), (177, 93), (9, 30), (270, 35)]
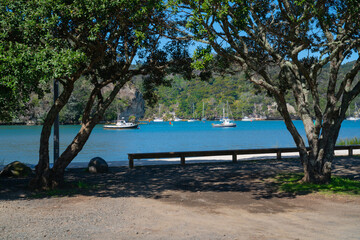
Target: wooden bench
[(233, 153)]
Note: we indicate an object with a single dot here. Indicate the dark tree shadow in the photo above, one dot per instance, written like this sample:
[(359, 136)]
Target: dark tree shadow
[(252, 177)]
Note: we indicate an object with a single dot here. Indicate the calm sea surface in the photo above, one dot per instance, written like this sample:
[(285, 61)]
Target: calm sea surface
[(22, 142)]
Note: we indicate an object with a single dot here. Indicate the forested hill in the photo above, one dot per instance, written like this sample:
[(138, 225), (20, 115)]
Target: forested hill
[(184, 98), (241, 95), (187, 99)]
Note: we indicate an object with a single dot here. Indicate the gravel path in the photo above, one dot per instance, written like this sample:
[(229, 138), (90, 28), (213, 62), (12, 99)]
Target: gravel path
[(205, 201)]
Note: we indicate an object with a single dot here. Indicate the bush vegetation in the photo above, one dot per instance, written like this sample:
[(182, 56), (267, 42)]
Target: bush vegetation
[(290, 182), (348, 141)]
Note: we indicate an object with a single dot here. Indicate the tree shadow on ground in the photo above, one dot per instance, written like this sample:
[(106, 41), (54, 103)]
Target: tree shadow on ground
[(253, 177)]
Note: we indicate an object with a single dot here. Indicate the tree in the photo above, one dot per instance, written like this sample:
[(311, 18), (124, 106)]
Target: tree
[(26, 55), (108, 37), (270, 41)]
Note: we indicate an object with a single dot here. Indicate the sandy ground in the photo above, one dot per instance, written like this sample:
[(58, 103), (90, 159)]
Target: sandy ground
[(202, 201)]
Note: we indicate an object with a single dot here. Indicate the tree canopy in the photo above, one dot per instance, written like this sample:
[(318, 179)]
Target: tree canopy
[(297, 37), (97, 40), (29, 55)]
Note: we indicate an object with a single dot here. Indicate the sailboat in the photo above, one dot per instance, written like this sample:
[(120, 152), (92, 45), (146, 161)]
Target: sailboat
[(158, 119), (193, 118), (225, 121), (203, 115)]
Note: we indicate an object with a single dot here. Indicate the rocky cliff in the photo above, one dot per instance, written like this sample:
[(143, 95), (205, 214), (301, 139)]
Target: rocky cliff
[(135, 102)]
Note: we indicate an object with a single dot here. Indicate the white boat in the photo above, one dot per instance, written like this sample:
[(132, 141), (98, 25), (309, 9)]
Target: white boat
[(203, 115), (353, 118), (122, 124), (158, 119), (176, 119), (225, 121), (193, 119), (247, 119)]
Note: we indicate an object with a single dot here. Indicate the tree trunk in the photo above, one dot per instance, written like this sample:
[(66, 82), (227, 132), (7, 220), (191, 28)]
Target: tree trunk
[(318, 170), (319, 163), (42, 179), (52, 178), (71, 152)]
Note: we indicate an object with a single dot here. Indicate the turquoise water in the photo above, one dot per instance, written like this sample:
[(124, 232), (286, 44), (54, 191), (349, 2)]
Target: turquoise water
[(22, 142)]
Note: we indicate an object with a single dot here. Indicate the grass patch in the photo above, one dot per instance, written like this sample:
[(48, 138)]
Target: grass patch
[(290, 183), (70, 189), (348, 141)]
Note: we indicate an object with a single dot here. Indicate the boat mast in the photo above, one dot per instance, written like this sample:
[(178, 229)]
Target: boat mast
[(203, 110), (224, 116)]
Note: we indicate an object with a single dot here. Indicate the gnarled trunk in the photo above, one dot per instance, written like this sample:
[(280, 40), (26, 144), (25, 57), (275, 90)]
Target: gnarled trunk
[(318, 170), (71, 152), (47, 178), (43, 171), (318, 166)]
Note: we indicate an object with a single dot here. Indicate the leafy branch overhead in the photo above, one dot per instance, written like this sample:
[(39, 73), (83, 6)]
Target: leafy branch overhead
[(298, 38), (99, 41)]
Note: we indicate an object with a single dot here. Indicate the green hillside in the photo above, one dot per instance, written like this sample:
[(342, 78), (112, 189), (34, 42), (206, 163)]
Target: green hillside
[(243, 97)]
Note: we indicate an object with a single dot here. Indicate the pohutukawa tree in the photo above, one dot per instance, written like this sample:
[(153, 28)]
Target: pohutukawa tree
[(27, 57), (106, 41), (296, 40)]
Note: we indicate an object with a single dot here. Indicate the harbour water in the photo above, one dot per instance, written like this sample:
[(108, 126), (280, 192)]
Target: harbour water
[(22, 142)]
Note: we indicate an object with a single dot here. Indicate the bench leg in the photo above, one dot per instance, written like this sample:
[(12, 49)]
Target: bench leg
[(182, 160), (131, 163), (278, 155), (234, 158), (350, 152)]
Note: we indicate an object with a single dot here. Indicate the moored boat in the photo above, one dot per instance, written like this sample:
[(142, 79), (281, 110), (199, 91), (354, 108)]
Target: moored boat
[(122, 124), (193, 119), (158, 120), (247, 119), (176, 119), (203, 115), (225, 121)]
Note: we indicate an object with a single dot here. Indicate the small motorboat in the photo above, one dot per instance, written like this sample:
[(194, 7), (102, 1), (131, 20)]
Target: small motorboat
[(247, 119), (122, 124), (158, 120), (225, 122), (352, 118), (192, 120)]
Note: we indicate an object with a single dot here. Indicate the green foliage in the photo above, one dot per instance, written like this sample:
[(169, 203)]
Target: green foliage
[(214, 93), (348, 141), (30, 55), (290, 183), (132, 118)]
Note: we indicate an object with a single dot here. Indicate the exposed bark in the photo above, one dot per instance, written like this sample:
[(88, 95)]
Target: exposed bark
[(82, 136), (43, 171), (48, 178)]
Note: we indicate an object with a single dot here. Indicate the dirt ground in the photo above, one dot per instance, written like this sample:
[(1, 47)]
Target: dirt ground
[(202, 201)]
